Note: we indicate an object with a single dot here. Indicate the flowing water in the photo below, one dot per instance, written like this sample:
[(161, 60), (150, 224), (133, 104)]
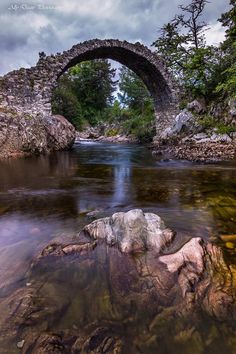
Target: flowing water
[(54, 196)]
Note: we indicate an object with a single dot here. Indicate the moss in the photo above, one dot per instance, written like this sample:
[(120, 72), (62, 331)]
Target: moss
[(112, 132), (28, 116), (31, 81), (183, 104), (8, 110)]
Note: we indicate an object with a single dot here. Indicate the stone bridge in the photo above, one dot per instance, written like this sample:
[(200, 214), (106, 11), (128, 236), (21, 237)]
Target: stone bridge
[(29, 91)]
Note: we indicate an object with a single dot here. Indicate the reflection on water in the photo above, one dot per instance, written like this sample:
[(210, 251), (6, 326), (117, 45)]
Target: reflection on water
[(48, 197), (121, 183), (52, 194)]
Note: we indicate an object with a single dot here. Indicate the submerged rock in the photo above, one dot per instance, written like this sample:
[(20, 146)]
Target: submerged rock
[(109, 293)]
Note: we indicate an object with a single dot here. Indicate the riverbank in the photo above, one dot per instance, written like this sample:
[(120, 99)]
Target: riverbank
[(191, 137), (104, 133), (198, 148), (24, 135), (207, 151)]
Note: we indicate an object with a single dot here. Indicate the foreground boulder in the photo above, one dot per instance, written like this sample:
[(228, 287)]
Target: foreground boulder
[(125, 283), (133, 231)]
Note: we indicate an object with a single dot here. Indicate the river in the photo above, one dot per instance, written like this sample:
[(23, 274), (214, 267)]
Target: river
[(48, 197)]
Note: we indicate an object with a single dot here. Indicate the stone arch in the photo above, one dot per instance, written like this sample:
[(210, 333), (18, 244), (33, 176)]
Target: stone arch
[(35, 85)]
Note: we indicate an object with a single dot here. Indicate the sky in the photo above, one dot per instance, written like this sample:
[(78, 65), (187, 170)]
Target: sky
[(26, 28)]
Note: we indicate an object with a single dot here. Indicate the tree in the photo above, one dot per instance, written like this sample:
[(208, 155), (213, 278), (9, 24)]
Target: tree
[(85, 91), (228, 20), (133, 93), (65, 102), (171, 45), (138, 106), (190, 19), (94, 83), (227, 79), (183, 47)]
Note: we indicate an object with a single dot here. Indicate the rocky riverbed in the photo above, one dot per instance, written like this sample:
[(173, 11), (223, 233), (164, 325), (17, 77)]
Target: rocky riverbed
[(111, 133), (208, 150), (138, 289), (187, 139)]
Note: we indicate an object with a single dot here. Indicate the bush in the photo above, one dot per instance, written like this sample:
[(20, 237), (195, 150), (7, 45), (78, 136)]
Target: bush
[(142, 127), (208, 122)]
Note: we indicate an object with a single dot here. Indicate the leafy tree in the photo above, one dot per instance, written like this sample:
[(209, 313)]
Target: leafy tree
[(228, 20), (94, 83), (138, 106), (88, 87), (227, 78), (133, 93), (199, 72), (183, 46), (171, 45), (66, 103)]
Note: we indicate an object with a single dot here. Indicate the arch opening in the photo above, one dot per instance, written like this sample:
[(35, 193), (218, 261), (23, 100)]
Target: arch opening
[(99, 94)]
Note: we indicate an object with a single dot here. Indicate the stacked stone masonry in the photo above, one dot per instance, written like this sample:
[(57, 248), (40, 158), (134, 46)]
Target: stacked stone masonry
[(29, 91)]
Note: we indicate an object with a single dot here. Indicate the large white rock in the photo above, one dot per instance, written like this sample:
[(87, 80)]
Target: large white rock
[(134, 231), (184, 121), (224, 138)]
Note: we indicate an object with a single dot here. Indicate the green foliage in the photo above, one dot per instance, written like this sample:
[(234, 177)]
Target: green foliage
[(142, 127), (200, 70), (93, 84), (228, 20), (170, 45), (226, 85), (138, 111), (225, 129), (208, 122), (133, 92), (65, 102), (182, 45), (112, 132), (85, 92)]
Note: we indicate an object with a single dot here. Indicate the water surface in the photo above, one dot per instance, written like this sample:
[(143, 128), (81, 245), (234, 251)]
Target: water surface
[(50, 197)]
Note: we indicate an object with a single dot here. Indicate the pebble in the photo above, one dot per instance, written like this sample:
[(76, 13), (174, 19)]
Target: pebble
[(229, 245), (20, 344)]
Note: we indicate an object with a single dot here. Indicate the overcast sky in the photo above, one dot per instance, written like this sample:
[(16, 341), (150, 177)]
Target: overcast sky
[(53, 26)]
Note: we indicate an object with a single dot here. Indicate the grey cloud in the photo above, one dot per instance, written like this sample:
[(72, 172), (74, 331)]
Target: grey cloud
[(24, 33)]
